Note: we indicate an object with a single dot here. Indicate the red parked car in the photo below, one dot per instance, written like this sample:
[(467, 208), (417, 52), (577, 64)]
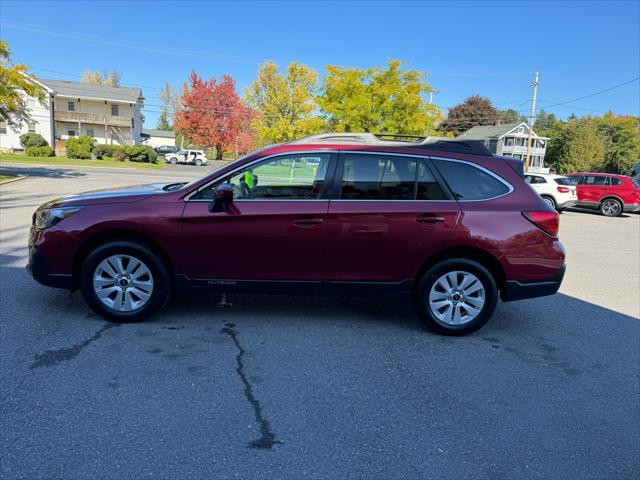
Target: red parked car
[(443, 222), (611, 194)]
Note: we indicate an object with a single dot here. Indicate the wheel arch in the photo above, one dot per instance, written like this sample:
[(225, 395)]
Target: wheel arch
[(610, 196), (479, 255), (104, 236)]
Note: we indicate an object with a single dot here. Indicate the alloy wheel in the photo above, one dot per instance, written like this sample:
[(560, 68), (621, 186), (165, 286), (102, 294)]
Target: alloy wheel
[(123, 283), (610, 208), (457, 298)]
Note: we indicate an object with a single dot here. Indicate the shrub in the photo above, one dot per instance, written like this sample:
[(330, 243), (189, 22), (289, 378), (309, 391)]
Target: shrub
[(105, 152), (141, 154), (45, 151), (79, 147), (32, 140)]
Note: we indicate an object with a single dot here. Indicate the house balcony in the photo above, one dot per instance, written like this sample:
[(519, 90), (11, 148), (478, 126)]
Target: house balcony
[(92, 118), (522, 150)]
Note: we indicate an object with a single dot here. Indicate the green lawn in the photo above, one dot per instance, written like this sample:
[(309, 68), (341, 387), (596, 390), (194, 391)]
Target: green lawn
[(73, 162), (6, 177)]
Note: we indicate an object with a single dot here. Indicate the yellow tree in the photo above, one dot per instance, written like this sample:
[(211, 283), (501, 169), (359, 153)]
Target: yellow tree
[(15, 87), (105, 78), (378, 100), (285, 104)]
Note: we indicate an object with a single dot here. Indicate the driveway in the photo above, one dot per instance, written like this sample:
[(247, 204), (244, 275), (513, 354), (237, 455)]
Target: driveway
[(305, 387)]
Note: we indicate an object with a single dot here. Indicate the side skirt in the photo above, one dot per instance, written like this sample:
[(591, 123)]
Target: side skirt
[(401, 289)]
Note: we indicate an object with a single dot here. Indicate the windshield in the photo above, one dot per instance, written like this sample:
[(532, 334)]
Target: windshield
[(564, 181), (635, 181)]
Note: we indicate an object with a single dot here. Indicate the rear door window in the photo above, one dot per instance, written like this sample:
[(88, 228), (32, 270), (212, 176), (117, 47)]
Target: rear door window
[(388, 177), (468, 182)]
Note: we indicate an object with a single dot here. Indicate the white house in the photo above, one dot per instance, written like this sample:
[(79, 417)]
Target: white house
[(158, 138), (111, 115), (510, 140)]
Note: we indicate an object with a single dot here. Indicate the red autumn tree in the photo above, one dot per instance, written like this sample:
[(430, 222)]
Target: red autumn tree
[(213, 115)]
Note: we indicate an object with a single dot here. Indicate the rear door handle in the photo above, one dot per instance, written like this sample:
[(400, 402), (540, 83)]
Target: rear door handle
[(307, 222), (429, 218)]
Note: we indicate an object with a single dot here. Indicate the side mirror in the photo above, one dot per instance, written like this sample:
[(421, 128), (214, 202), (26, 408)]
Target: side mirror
[(222, 198)]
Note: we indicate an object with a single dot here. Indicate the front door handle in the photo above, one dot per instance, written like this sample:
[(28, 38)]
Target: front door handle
[(429, 218), (307, 222)]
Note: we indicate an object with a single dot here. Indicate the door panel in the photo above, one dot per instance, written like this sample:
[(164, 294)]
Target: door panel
[(384, 241), (254, 240)]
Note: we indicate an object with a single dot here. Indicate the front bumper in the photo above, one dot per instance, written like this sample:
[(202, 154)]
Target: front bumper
[(631, 207), (515, 290), (41, 272)]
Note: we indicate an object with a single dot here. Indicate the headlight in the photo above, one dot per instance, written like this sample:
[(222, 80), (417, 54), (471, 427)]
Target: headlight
[(48, 217)]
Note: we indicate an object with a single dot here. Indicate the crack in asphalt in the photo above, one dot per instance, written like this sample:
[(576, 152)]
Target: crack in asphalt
[(267, 439), (50, 358)]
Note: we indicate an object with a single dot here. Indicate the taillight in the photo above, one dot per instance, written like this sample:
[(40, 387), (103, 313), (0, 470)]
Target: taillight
[(547, 221), (564, 189)]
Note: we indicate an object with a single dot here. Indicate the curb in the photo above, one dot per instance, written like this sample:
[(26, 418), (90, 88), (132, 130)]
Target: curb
[(19, 177), (58, 165)]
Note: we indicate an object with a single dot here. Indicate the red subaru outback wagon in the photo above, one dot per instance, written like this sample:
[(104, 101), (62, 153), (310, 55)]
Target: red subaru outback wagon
[(443, 222)]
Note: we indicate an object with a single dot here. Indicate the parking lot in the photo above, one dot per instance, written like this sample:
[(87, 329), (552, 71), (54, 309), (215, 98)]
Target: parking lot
[(305, 387)]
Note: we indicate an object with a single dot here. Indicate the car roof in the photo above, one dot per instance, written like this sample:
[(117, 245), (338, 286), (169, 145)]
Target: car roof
[(596, 173)]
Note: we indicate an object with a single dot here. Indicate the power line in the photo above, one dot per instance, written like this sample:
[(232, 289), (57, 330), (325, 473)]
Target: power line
[(595, 93)]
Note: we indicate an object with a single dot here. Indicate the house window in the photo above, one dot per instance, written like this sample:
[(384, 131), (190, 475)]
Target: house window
[(91, 133), (114, 110), (508, 142), (71, 106), (3, 127), (71, 133), (31, 126)]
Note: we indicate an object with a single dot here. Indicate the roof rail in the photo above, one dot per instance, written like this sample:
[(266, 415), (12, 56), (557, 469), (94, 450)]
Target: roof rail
[(443, 144)]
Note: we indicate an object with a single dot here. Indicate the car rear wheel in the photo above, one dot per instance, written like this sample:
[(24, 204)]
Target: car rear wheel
[(124, 281), (456, 297), (198, 162), (610, 207), (549, 201)]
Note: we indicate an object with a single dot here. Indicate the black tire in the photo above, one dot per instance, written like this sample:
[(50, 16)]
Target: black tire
[(198, 162), (549, 201), (161, 280), (611, 207), (173, 160), (430, 277)]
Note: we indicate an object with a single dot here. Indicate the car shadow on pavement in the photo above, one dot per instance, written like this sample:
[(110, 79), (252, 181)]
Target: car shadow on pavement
[(48, 172), (590, 211)]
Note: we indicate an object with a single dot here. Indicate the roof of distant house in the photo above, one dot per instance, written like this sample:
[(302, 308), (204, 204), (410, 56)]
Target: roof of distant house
[(489, 131), (92, 91), (153, 132)]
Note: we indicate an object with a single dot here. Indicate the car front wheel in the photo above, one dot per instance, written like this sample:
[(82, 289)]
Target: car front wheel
[(611, 207), (456, 297), (124, 281)]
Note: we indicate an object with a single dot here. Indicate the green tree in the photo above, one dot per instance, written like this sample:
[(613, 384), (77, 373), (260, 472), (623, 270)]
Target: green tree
[(14, 80), (620, 136), (574, 146), (284, 103), (544, 122), (163, 121), (473, 112), (379, 100), (511, 116)]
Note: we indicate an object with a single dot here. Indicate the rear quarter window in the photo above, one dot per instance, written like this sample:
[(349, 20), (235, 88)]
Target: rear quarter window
[(468, 182), (565, 181)]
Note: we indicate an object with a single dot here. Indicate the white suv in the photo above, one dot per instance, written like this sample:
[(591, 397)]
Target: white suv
[(556, 190), (195, 157)]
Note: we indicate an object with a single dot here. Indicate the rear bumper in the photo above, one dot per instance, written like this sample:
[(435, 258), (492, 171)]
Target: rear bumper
[(41, 272), (515, 290), (567, 204), (631, 207)]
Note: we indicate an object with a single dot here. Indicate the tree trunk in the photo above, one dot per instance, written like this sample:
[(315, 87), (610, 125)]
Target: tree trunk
[(219, 152)]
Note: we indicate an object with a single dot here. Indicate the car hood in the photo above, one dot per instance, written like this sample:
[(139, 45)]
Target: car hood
[(133, 193)]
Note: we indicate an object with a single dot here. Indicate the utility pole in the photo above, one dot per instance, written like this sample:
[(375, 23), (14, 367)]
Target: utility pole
[(431, 92), (531, 118)]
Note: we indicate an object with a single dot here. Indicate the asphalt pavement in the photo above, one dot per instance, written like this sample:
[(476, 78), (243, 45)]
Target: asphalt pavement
[(306, 387)]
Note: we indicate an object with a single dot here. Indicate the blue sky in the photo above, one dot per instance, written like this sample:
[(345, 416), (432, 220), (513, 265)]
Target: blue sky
[(489, 48)]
